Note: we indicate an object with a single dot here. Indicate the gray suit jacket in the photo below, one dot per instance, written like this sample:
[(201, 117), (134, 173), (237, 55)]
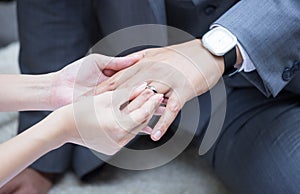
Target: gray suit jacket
[(268, 30), (270, 33)]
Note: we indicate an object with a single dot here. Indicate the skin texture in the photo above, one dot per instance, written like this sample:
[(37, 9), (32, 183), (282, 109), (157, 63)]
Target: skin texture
[(66, 124), (51, 91), (180, 72)]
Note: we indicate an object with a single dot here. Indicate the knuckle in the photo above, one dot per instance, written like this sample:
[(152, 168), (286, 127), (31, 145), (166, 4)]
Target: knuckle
[(93, 57), (145, 114), (111, 85), (145, 96), (97, 90), (147, 93), (164, 127), (127, 109)]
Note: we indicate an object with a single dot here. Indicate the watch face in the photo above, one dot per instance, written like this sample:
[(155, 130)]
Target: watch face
[(219, 41)]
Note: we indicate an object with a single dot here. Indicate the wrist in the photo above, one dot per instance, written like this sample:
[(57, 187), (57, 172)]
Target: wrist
[(35, 92), (60, 89), (61, 127), (49, 133), (232, 61), (65, 118), (217, 60), (47, 83), (221, 61), (239, 58), (52, 98)]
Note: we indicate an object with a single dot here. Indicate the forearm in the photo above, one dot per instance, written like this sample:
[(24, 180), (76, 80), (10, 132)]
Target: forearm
[(25, 92), (20, 151)]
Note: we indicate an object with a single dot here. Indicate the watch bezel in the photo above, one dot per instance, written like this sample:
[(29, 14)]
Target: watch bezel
[(211, 47)]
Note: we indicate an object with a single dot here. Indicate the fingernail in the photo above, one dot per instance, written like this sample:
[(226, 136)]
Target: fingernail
[(157, 135), (142, 86), (159, 96)]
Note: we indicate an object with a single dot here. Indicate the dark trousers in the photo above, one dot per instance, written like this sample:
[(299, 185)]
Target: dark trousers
[(258, 149)]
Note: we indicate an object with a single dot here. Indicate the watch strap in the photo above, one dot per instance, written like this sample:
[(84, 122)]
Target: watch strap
[(229, 61)]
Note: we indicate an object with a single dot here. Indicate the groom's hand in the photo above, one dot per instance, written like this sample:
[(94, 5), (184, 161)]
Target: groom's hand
[(180, 72)]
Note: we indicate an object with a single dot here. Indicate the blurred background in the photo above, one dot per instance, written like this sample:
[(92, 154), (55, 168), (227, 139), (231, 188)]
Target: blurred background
[(188, 174)]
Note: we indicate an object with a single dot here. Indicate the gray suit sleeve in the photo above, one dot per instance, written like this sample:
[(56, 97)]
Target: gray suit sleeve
[(269, 31)]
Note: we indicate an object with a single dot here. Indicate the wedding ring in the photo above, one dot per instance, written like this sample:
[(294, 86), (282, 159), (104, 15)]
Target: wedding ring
[(152, 88)]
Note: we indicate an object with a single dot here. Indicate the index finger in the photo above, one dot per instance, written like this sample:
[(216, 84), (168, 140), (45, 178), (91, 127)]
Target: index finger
[(116, 80)]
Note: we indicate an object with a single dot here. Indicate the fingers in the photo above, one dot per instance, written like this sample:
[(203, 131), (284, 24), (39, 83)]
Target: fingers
[(168, 113), (125, 97), (117, 80), (160, 87), (146, 111), (139, 100), (168, 116), (126, 78), (138, 90), (119, 63), (147, 130), (141, 53), (160, 110)]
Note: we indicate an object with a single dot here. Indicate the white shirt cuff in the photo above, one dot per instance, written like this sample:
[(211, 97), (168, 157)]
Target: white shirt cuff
[(247, 65)]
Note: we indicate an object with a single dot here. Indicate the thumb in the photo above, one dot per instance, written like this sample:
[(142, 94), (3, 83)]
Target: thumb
[(119, 63)]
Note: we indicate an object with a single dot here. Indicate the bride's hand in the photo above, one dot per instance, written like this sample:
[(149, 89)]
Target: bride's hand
[(82, 76), (107, 122)]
